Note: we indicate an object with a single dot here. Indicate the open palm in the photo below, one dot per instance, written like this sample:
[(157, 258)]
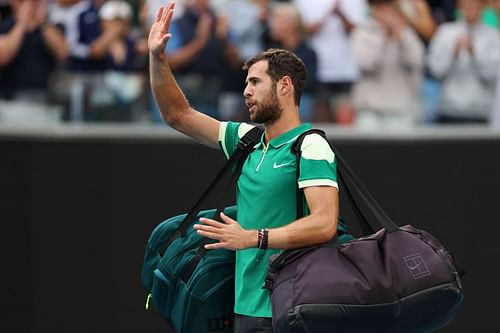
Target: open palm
[(159, 35)]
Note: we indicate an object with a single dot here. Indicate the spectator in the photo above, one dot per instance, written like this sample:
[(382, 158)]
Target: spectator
[(247, 22), (200, 52), (126, 52), (287, 32), (418, 14), (329, 23), (29, 51), (88, 43), (391, 58), (464, 56), (114, 93)]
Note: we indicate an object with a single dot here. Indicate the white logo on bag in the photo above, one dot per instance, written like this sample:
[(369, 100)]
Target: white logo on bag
[(276, 166), (417, 266)]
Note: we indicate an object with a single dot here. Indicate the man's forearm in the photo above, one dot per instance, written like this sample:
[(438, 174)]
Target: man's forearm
[(310, 230), (171, 101)]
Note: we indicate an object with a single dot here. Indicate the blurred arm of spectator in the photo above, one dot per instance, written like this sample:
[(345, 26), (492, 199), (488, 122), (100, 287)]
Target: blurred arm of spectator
[(100, 47), (230, 50), (348, 24), (336, 10), (52, 35), (442, 52), (10, 43), (419, 15), (485, 56), (28, 17), (412, 50), (184, 55)]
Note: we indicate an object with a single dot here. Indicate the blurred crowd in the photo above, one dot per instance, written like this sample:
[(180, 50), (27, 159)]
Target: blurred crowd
[(371, 63)]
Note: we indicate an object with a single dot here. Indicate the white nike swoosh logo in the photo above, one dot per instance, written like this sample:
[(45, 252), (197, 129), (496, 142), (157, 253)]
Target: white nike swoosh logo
[(415, 267), (276, 166)]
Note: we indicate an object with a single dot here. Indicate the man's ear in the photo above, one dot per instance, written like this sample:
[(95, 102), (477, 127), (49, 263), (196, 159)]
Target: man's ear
[(285, 85)]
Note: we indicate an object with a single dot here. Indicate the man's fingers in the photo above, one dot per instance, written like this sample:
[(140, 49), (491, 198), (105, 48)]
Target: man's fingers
[(227, 219), (214, 246), (211, 222), (206, 228), (159, 14), (166, 37), (170, 14)]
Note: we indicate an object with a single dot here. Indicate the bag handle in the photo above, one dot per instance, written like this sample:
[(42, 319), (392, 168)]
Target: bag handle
[(243, 149)]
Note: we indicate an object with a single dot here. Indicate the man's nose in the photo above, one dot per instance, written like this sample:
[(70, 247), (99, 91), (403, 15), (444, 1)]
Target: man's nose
[(247, 92)]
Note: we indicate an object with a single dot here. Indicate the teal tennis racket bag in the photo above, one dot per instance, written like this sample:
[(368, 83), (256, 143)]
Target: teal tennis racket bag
[(193, 289)]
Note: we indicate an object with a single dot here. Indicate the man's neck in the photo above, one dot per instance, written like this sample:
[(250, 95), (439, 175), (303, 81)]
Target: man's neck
[(285, 123)]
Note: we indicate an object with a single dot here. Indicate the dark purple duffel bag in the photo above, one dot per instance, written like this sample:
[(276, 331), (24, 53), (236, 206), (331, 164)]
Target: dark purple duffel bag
[(399, 279)]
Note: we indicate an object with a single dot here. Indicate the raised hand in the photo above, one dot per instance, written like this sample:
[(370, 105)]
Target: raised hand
[(159, 35), (41, 13), (25, 14)]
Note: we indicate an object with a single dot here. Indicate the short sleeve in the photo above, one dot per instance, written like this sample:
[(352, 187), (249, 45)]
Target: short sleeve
[(318, 166), (230, 134)]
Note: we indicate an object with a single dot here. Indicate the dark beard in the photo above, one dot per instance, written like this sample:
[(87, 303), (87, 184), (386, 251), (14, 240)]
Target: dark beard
[(269, 111)]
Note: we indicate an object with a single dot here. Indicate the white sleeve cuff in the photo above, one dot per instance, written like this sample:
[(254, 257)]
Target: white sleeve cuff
[(318, 182), (222, 137)]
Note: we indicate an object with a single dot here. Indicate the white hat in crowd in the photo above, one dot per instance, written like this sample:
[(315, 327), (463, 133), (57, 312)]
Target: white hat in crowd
[(116, 9)]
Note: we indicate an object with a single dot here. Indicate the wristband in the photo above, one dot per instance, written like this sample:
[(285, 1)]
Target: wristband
[(263, 239)]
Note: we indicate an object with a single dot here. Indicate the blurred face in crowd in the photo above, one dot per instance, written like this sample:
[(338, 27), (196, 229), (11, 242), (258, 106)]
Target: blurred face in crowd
[(121, 24), (200, 5), (284, 20), (116, 15), (471, 9), (260, 95)]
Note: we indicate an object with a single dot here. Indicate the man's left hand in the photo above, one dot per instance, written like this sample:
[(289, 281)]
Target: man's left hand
[(229, 234)]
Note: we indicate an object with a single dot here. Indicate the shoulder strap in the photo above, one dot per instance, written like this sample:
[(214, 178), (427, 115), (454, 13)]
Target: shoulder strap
[(243, 149), (363, 203)]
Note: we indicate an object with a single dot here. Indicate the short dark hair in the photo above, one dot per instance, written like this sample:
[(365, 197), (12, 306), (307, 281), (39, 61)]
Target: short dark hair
[(283, 63)]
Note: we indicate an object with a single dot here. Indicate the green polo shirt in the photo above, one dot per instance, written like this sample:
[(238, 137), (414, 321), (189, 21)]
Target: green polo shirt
[(266, 198)]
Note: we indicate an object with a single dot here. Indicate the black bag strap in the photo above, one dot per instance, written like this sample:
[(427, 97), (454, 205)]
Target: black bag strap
[(193, 263), (361, 199), (245, 146)]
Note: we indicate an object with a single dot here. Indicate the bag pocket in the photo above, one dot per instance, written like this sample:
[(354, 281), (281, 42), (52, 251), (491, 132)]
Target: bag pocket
[(162, 293)]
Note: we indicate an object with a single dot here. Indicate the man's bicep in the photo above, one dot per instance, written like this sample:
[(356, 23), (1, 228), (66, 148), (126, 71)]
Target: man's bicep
[(323, 200)]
